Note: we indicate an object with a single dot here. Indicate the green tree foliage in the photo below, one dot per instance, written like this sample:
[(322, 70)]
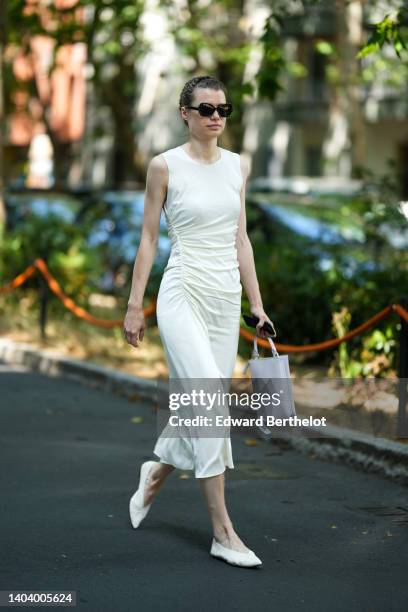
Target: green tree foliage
[(392, 30), (63, 245)]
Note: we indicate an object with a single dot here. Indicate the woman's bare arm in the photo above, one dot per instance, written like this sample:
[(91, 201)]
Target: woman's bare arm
[(155, 195), (246, 262)]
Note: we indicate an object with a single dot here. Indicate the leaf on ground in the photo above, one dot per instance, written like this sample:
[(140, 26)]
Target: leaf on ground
[(184, 476), (134, 397), (251, 442), (136, 419)]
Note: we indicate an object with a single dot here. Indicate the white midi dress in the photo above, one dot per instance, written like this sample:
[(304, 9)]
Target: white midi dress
[(199, 300)]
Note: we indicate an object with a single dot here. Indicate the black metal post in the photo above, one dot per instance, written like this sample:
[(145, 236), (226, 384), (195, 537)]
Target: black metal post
[(44, 298), (402, 424)]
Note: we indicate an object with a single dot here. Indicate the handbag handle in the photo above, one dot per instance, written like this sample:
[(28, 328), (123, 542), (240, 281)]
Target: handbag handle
[(255, 352)]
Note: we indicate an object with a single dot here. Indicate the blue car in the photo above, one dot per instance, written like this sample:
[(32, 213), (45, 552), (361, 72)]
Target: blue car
[(112, 223)]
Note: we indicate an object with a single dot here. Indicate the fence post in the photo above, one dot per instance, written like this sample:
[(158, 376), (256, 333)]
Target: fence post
[(44, 296), (402, 424)]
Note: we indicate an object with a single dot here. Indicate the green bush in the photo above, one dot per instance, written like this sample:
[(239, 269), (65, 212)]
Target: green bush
[(302, 297), (64, 248)]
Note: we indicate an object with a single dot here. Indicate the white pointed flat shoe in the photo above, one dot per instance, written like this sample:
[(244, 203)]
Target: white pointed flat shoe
[(136, 509), (243, 559)]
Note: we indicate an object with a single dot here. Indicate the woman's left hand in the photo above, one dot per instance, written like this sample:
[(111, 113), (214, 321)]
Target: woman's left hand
[(263, 318)]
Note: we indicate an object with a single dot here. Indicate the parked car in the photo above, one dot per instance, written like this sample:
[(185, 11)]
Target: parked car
[(306, 185), (20, 205), (315, 214), (112, 222), (115, 223)]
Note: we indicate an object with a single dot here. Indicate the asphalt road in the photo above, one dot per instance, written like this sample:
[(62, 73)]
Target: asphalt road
[(70, 458)]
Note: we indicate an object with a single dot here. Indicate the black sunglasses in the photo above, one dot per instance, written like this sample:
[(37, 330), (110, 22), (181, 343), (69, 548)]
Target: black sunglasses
[(206, 110)]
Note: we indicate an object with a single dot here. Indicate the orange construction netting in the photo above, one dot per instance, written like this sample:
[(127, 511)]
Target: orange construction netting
[(39, 264)]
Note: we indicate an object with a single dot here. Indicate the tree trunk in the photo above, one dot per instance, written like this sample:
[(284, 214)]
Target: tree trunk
[(121, 103), (344, 145), (2, 112)]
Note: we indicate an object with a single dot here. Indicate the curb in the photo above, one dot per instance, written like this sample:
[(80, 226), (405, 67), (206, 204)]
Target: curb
[(357, 449), (91, 374)]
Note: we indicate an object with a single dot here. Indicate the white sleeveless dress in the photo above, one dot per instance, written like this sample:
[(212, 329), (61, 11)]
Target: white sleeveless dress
[(199, 301)]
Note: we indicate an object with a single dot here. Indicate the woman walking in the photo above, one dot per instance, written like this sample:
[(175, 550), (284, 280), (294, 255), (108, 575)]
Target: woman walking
[(202, 189)]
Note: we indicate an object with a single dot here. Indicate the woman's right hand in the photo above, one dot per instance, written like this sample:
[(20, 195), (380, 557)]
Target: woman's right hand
[(134, 325)]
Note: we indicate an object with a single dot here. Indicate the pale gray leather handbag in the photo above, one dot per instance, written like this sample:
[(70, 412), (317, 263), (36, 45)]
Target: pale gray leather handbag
[(271, 375)]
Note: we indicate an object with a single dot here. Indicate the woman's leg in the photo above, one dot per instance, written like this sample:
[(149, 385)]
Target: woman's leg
[(223, 529), (155, 480)]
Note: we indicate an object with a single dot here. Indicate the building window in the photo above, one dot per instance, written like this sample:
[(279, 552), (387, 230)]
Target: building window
[(313, 164), (317, 74)]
